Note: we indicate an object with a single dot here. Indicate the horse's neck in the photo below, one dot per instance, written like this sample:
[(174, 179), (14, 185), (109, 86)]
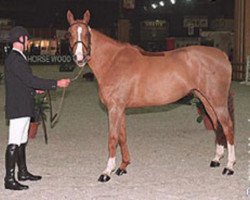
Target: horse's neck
[(103, 50)]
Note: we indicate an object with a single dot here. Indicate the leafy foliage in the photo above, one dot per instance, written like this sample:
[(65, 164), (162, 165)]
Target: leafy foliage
[(41, 106), (1, 76), (201, 110)]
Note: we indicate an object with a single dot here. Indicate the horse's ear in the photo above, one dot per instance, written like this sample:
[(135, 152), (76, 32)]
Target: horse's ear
[(86, 17), (70, 17)]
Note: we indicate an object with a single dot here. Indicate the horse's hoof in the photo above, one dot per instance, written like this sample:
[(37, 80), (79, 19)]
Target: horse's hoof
[(227, 172), (214, 164), (120, 172), (104, 178)]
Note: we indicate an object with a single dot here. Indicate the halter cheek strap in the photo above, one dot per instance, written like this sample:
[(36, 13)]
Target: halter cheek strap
[(88, 46)]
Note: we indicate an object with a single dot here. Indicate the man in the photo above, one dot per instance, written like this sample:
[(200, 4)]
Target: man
[(20, 88)]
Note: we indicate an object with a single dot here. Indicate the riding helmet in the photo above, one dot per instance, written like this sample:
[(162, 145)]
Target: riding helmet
[(16, 32)]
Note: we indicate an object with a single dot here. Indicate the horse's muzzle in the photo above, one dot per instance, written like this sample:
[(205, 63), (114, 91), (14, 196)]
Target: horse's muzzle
[(81, 62)]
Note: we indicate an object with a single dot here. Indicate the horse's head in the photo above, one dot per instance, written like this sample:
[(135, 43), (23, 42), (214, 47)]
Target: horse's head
[(79, 38)]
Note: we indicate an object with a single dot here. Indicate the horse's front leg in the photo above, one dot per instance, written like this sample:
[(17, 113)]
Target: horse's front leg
[(115, 115), (122, 140)]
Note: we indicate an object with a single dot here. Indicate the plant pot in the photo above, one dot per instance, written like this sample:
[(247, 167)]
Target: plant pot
[(33, 129), (206, 120), (207, 123)]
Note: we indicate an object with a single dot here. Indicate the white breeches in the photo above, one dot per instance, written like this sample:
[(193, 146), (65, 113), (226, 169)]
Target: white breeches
[(18, 130)]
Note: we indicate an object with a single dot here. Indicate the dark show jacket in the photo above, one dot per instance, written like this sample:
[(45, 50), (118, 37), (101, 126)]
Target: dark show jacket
[(20, 86)]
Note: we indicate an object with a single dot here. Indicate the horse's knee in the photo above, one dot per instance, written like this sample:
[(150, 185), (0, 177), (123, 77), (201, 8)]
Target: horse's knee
[(113, 139)]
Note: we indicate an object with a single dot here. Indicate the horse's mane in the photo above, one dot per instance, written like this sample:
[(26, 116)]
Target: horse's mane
[(119, 43), (148, 53), (109, 39)]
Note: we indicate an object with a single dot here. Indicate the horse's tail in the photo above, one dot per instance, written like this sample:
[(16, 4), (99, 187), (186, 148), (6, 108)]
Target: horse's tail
[(231, 106), (217, 126)]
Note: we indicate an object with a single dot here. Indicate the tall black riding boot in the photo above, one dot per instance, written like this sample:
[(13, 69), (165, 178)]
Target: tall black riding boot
[(23, 174), (10, 162)]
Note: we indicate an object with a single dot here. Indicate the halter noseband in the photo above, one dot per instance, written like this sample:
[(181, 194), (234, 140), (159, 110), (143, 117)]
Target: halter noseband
[(88, 46)]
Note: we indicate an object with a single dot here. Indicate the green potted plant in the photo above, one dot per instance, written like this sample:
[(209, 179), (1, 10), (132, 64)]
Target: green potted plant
[(41, 106), (203, 116), (1, 76)]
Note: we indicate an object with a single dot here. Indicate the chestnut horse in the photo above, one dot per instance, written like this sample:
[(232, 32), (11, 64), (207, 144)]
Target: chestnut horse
[(128, 77)]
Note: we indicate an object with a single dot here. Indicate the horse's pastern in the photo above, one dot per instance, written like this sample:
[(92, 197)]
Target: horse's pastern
[(214, 164), (227, 172), (120, 172), (104, 178)]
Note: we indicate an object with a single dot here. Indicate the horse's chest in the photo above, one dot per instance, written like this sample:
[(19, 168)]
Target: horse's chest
[(112, 93), (104, 95)]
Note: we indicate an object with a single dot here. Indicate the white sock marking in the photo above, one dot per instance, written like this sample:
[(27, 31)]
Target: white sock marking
[(219, 152), (231, 156), (79, 53), (110, 166)]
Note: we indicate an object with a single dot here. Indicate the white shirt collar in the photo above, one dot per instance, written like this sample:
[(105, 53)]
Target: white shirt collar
[(19, 51)]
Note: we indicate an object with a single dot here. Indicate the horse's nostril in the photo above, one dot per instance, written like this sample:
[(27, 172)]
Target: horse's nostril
[(79, 57)]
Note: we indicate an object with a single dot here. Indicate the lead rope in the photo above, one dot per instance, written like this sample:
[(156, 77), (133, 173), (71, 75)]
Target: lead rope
[(55, 117)]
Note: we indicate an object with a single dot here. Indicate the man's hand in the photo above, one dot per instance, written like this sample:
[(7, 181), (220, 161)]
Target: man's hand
[(63, 83), (39, 91)]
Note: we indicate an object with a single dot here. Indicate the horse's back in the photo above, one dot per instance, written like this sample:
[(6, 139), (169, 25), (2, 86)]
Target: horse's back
[(204, 62), (209, 55)]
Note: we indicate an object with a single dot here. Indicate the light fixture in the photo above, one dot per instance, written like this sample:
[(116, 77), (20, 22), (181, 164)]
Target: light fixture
[(173, 1), (154, 5), (162, 3)]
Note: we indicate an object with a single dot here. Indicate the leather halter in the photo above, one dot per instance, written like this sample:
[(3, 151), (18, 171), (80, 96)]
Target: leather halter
[(88, 46)]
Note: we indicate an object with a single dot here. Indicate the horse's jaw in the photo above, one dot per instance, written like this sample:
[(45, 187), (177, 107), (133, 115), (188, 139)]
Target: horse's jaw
[(83, 62)]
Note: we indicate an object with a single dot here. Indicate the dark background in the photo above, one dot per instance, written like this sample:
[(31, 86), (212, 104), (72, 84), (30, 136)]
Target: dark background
[(44, 17), (52, 13)]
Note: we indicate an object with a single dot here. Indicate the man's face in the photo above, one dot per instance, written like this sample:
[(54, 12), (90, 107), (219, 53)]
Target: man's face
[(25, 42)]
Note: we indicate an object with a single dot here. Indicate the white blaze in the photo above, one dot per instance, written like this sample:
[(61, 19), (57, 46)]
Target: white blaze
[(79, 53)]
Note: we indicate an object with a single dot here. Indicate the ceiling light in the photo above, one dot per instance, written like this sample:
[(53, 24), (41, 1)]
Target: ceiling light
[(173, 1), (154, 5), (161, 3)]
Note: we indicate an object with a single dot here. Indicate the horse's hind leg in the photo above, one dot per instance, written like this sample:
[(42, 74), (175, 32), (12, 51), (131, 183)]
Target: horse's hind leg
[(227, 125), (122, 140), (221, 143), (221, 114)]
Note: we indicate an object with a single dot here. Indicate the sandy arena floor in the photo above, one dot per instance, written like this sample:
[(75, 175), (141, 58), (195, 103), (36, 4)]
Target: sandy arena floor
[(170, 152)]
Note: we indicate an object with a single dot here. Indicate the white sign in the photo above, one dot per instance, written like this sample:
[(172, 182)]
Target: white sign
[(43, 59), (195, 21)]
